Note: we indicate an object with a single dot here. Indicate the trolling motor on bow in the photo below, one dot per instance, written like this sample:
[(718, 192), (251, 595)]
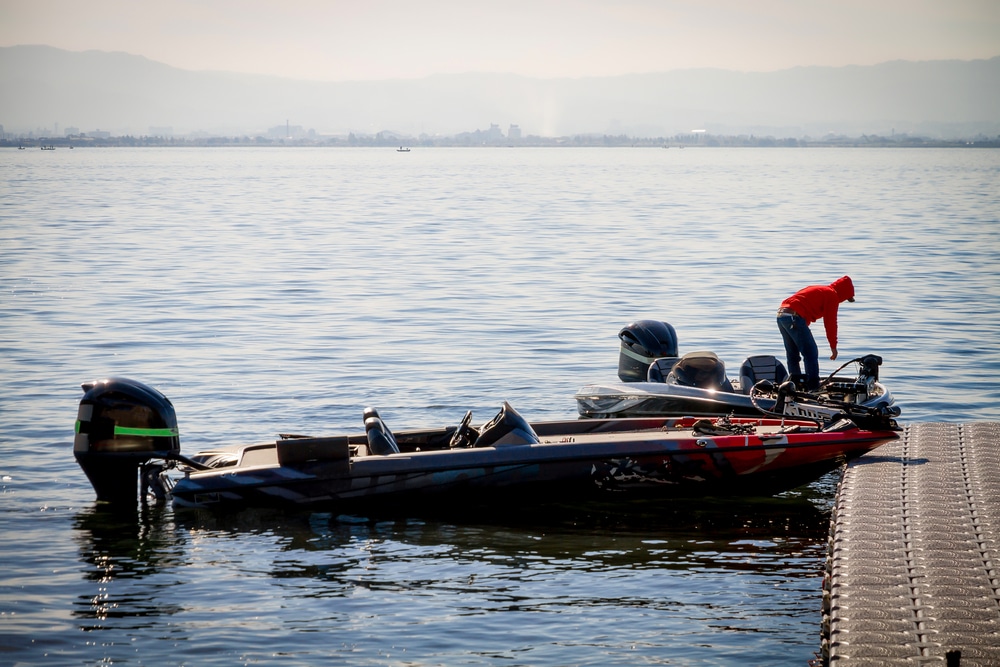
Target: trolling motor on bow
[(122, 425), (825, 410), (858, 389)]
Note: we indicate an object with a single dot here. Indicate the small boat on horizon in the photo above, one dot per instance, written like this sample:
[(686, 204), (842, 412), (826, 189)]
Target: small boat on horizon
[(402, 150), (128, 444)]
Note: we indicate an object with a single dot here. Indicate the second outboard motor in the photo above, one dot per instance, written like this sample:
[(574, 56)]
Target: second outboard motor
[(642, 343), (121, 424)]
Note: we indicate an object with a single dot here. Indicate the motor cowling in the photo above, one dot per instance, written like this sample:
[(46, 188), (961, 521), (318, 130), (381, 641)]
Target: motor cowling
[(121, 424), (643, 342)]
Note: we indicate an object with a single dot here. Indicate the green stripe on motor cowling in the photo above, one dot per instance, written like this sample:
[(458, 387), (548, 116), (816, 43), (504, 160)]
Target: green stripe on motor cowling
[(148, 432), (635, 355)]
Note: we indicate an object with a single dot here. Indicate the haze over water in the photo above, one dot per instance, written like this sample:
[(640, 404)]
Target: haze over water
[(282, 290)]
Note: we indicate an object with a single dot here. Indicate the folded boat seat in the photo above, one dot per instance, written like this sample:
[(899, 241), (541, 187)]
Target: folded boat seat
[(703, 370), (507, 428), (381, 441), (761, 367), (660, 369)]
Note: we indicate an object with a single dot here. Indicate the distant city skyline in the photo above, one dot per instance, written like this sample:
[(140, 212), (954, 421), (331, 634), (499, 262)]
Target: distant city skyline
[(48, 88), (338, 40)]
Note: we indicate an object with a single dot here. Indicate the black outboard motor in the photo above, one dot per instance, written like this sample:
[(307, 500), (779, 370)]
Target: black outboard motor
[(120, 425), (642, 343)]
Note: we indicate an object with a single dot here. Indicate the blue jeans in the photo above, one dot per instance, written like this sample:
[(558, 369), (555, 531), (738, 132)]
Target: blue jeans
[(799, 343)]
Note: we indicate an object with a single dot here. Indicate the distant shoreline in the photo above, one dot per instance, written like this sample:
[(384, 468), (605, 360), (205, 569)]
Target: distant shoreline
[(588, 141)]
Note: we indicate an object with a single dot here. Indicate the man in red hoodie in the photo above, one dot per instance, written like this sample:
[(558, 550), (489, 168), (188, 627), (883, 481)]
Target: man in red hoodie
[(800, 310)]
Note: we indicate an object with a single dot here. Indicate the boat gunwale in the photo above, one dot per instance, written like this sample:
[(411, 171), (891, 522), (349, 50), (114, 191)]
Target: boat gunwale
[(551, 452)]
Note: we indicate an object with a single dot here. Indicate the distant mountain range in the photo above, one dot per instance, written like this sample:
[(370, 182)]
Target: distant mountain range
[(127, 94)]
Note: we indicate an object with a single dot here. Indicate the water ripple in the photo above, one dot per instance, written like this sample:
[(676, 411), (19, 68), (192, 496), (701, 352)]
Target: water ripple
[(271, 291)]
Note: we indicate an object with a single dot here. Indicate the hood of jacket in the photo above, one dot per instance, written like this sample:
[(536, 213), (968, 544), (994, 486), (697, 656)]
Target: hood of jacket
[(844, 288)]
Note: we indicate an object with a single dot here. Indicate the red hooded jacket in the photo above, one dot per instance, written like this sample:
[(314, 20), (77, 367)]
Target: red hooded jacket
[(822, 302)]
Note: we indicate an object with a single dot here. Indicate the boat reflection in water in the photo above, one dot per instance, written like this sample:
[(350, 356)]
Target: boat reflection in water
[(638, 580), (754, 533), (118, 545)]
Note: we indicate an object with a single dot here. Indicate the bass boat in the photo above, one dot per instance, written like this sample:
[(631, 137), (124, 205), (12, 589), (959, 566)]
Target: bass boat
[(656, 381), (128, 444)]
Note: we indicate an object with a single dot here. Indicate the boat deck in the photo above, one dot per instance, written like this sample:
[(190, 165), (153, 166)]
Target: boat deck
[(913, 572)]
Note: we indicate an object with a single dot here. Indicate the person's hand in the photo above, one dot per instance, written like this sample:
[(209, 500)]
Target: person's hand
[(833, 356)]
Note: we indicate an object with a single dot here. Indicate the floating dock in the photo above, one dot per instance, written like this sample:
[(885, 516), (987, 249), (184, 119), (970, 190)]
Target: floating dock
[(913, 571)]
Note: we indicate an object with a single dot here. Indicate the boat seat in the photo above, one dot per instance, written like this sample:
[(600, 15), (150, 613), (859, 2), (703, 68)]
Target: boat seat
[(381, 441), (761, 367), (703, 370), (507, 428), (660, 369)]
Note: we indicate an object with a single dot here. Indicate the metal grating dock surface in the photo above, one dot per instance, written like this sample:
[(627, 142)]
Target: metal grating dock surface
[(913, 572)]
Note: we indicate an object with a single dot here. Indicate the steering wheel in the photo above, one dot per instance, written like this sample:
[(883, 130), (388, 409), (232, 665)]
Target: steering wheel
[(464, 435)]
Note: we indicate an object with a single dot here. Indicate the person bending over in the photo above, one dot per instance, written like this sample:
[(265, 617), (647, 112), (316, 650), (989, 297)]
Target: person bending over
[(797, 312)]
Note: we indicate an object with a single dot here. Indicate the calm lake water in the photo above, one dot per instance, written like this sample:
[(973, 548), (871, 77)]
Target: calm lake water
[(282, 290)]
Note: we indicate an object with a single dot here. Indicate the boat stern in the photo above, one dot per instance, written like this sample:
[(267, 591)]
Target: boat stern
[(121, 425)]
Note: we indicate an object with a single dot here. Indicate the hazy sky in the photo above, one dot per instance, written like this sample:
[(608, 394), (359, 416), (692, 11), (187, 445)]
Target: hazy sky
[(379, 39)]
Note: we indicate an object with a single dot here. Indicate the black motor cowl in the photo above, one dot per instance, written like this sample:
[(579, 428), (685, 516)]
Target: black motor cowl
[(643, 342), (121, 424)]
